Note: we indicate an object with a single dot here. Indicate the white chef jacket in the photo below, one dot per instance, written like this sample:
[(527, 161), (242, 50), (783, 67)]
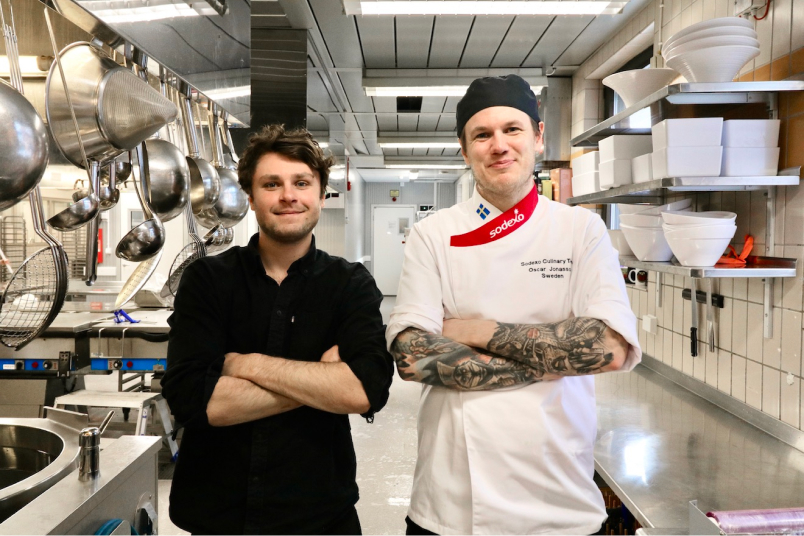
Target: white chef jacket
[(518, 460)]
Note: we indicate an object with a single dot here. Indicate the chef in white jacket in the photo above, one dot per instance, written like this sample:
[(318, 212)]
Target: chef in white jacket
[(507, 305)]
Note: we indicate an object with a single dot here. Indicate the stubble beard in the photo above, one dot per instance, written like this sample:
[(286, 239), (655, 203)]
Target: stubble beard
[(491, 186), (288, 234)]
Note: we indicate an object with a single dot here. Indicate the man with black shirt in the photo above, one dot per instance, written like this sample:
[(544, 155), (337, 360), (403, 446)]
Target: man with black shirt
[(271, 347)]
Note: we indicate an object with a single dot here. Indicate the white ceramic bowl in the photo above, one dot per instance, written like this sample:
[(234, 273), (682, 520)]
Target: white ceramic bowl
[(710, 23), (709, 32), (698, 251), (684, 204), (633, 86), (711, 217), (701, 231), (751, 132), (620, 243), (715, 64), (647, 243), (642, 220), (709, 42)]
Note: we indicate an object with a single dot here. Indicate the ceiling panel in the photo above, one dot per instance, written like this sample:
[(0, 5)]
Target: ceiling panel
[(407, 122), (377, 41), (522, 36), (387, 105), (419, 152), (451, 105), (387, 123), (353, 85), (317, 95), (316, 122), (484, 40), (449, 37), (564, 30), (405, 152), (427, 123), (339, 32), (446, 123), (412, 41), (598, 32), (394, 152)]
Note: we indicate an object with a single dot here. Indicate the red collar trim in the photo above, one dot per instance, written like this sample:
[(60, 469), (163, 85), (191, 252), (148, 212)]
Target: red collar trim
[(503, 225)]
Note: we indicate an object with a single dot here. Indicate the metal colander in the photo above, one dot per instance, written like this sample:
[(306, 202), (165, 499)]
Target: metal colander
[(31, 300), (129, 108)]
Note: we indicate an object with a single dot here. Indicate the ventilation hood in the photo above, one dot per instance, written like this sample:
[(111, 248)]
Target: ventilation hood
[(555, 110)]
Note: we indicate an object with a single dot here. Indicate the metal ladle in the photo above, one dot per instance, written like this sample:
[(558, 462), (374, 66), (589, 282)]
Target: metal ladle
[(146, 239), (81, 212)]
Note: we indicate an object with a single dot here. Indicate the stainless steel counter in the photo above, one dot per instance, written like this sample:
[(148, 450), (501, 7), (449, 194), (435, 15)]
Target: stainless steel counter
[(660, 446)]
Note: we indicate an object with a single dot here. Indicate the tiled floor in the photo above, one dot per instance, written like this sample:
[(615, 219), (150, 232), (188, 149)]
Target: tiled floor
[(386, 455)]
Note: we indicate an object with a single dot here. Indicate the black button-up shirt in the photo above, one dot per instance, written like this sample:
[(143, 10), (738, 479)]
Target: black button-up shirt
[(295, 471)]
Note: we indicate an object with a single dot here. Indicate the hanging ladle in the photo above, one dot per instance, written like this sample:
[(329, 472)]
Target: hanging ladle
[(85, 210), (108, 194), (146, 239)]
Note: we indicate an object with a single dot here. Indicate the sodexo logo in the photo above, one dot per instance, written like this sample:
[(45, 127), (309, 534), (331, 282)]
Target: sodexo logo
[(518, 217)]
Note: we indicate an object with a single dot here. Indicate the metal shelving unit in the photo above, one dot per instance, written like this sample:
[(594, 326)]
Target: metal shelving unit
[(755, 267), (653, 192), (743, 100), (761, 97)]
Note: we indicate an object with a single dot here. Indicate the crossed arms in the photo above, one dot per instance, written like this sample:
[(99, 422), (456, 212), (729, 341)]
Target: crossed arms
[(476, 355), (254, 386)]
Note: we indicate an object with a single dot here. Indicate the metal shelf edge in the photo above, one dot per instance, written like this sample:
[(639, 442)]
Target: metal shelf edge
[(603, 129), (756, 267), (686, 184)]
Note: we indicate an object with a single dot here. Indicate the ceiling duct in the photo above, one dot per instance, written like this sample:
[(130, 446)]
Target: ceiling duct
[(555, 110), (278, 76)]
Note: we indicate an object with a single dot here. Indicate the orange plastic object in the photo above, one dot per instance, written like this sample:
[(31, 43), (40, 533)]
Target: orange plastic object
[(733, 259)]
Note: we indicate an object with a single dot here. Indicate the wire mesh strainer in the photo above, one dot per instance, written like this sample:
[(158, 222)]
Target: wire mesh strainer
[(36, 291), (137, 280)]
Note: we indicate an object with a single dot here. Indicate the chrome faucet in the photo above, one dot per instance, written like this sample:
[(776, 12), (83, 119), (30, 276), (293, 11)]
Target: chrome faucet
[(89, 444)]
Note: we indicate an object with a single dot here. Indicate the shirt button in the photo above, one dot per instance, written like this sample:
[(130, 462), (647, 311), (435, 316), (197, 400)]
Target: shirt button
[(279, 313), (306, 272)]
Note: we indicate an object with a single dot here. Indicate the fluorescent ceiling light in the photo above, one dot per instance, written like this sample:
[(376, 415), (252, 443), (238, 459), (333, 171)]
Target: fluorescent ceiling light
[(425, 166), (323, 144), (228, 92), (422, 91), (421, 145), (472, 7)]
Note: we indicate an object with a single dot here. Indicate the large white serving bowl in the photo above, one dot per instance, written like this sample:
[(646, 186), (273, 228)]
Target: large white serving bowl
[(701, 231), (711, 23), (642, 220), (711, 217), (647, 243), (709, 42), (715, 64), (698, 251), (633, 86), (682, 205), (620, 243), (709, 32)]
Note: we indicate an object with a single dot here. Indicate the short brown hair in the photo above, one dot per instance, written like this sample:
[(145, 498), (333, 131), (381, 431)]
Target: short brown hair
[(297, 144)]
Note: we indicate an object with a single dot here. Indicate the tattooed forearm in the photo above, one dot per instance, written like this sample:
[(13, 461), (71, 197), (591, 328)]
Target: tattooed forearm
[(436, 360), (574, 347)]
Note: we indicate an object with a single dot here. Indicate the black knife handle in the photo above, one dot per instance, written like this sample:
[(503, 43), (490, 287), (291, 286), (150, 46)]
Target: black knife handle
[(694, 340)]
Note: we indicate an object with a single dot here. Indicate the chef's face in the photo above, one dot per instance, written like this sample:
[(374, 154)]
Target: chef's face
[(286, 198), (500, 145)]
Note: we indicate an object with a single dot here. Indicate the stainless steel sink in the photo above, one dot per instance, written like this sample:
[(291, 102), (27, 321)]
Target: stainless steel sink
[(35, 454)]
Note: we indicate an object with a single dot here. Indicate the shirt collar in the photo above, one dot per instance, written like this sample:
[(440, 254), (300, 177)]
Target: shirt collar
[(303, 264)]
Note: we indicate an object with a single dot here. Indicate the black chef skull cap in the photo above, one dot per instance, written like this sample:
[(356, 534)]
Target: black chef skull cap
[(510, 90)]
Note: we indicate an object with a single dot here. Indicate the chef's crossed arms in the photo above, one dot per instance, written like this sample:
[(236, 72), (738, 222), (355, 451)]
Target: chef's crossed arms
[(475, 355)]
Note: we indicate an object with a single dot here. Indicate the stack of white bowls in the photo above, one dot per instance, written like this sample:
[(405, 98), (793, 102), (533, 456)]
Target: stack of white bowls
[(642, 229), (698, 238), (713, 50)]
